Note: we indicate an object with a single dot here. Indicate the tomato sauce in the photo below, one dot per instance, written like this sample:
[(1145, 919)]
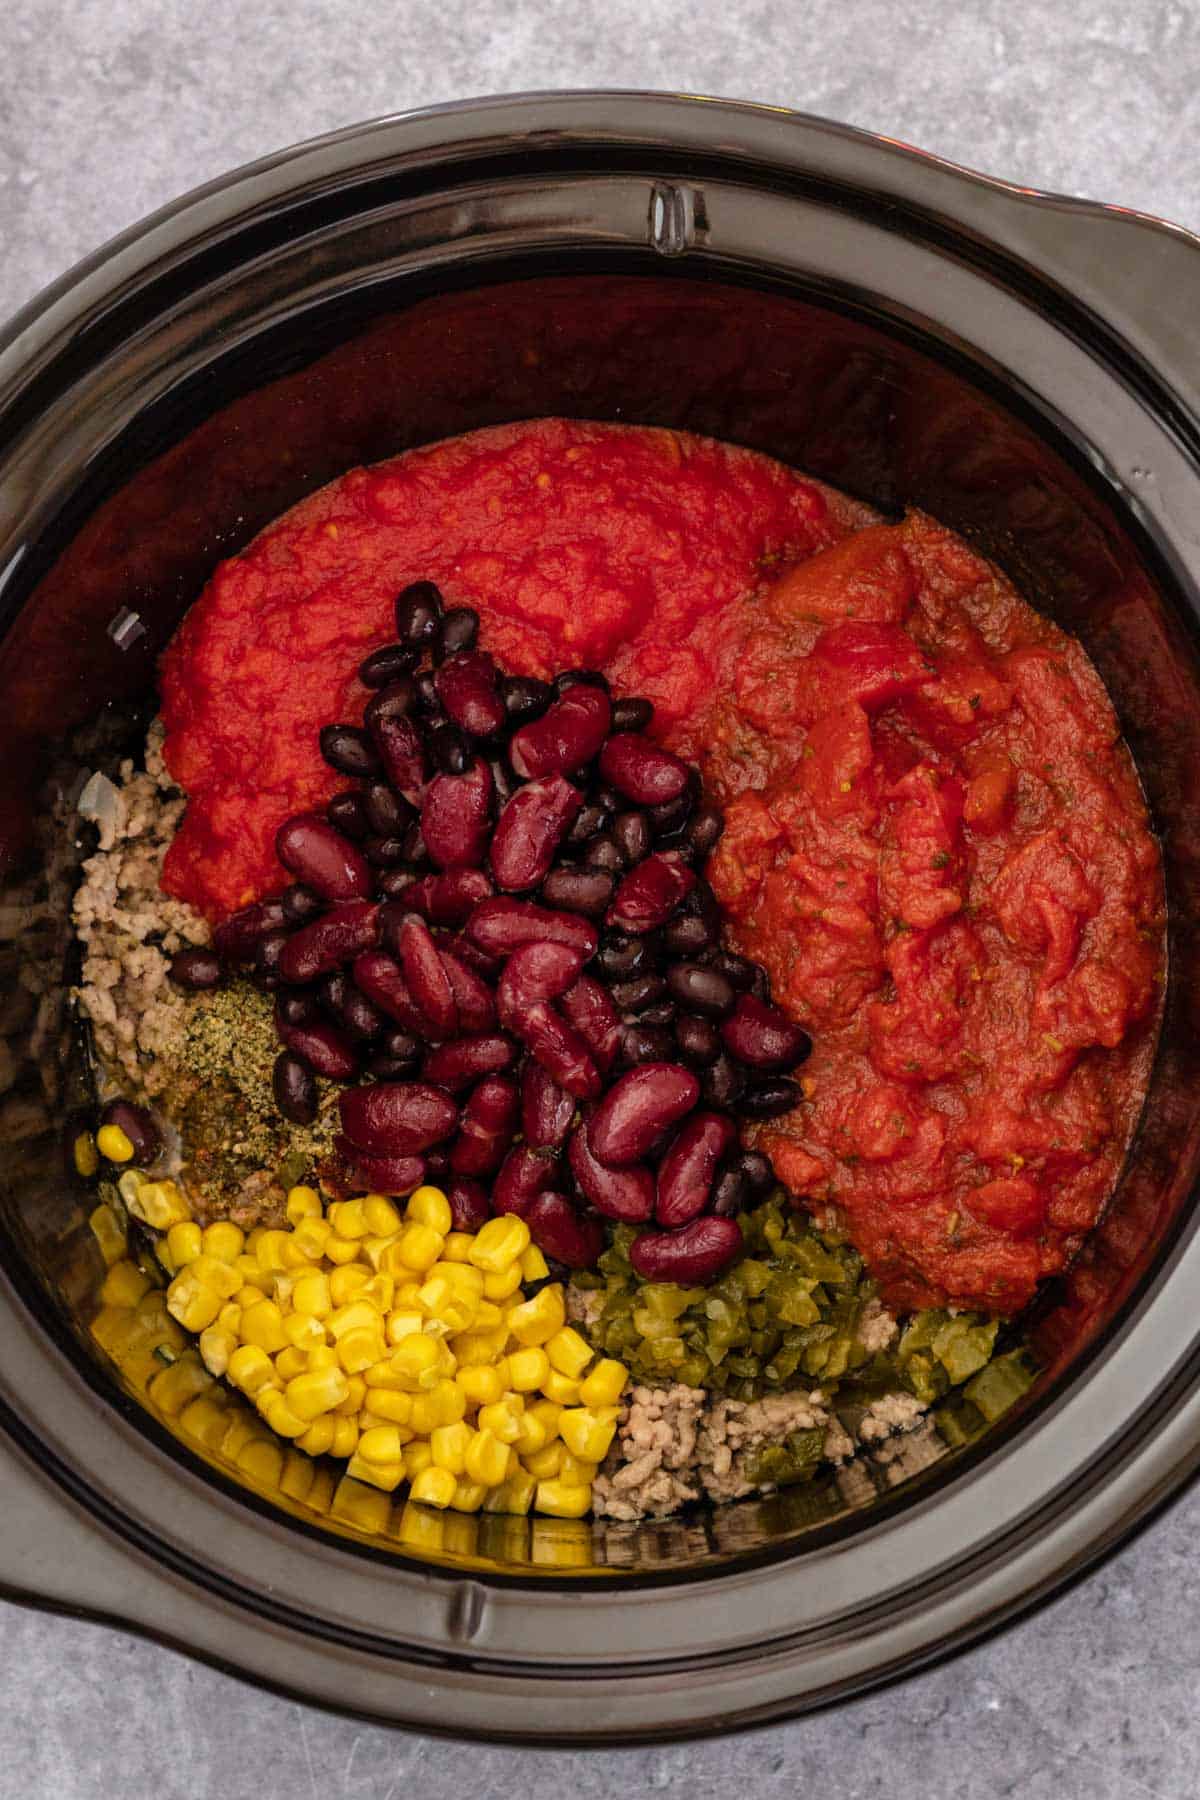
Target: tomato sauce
[(935, 840)]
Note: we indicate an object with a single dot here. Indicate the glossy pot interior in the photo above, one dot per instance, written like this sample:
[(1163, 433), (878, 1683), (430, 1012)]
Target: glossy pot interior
[(173, 400)]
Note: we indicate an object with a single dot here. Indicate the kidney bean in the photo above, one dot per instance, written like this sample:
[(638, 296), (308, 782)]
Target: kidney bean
[(692, 1256), (395, 1175), (418, 613), (631, 715), (687, 1171), (586, 891), (427, 979), (590, 1010), (625, 1194), (347, 813), (401, 752), (488, 1122), (642, 770), (524, 1174), (348, 749), (588, 821), (237, 937), (455, 816), (503, 924), (731, 1192), (294, 1088), (300, 903), (650, 893), (482, 962), (465, 1059), (532, 975), (770, 1099), (638, 1108), (560, 1048), (466, 686), (530, 829), (397, 1118), (546, 1109), (324, 1047), (296, 1007), (722, 1082), (138, 1125), (698, 1039), (604, 853), (342, 933), (382, 980), (458, 631), (631, 834), (701, 990), (559, 1232), (525, 698), (468, 1199), (566, 737), (763, 1036), (385, 852), (310, 848), (472, 995), (449, 898), (387, 664), (196, 970), (642, 1043), (758, 1171)]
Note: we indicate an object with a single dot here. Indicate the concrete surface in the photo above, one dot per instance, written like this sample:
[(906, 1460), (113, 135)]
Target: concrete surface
[(106, 111)]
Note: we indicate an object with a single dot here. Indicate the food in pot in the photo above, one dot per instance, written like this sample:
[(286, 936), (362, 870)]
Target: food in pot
[(551, 794)]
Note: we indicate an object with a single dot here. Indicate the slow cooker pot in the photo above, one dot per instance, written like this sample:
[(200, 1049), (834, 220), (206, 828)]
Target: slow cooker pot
[(1022, 366)]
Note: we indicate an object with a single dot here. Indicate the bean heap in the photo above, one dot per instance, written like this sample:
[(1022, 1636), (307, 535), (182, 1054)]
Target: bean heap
[(501, 924)]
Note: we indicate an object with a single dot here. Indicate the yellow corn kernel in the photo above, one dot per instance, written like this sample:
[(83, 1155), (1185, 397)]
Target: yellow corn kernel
[(189, 1300), (263, 1325), (206, 1419), (512, 1496), (279, 1415), (173, 1387), (498, 1243), (345, 1436), (402, 1323), (113, 1143), (417, 1456), (569, 1353), (346, 1283), (340, 1249), (396, 1408), (417, 1248), (527, 1369), (224, 1240), (534, 1266), (108, 1232), (503, 1418), (356, 1397), (296, 1476), (444, 1404), (230, 1316), (561, 1389), (469, 1496), (486, 1459), (251, 1369), (323, 1356), (357, 1350), (417, 1361), (384, 1476), (293, 1255), (320, 1494), (457, 1247), (348, 1219), (372, 1250), (85, 1156), (124, 1285), (531, 1435), (379, 1291), (499, 1287), (316, 1391), (215, 1274), (434, 1486), (356, 1315), (605, 1384), (318, 1439), (481, 1384), (262, 1462), (158, 1204), (303, 1203), (573, 1471), (588, 1432), (383, 1444), (243, 1428), (429, 1206), (216, 1348), (407, 1291), (463, 1277), (310, 1238), (448, 1308), (448, 1444), (290, 1362), (381, 1214), (420, 1528), (269, 1251), (311, 1295), (185, 1241), (561, 1501), (252, 1276), (382, 1375), (546, 1463), (479, 1346), (303, 1332), (536, 1321)]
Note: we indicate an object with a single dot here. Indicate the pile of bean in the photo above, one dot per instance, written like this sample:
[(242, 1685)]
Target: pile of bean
[(501, 923)]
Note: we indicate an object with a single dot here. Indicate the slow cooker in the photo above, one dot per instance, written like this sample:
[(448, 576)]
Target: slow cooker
[(1026, 368)]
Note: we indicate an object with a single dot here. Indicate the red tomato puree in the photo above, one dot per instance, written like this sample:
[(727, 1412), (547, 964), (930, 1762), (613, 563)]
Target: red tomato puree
[(935, 840)]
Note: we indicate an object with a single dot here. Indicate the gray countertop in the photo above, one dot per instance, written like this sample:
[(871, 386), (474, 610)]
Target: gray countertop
[(108, 111)]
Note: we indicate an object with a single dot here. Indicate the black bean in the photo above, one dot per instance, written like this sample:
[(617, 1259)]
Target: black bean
[(768, 1099), (418, 613), (608, 800), (671, 815), (722, 1083), (361, 1020), (395, 701), (631, 834), (701, 990), (687, 934), (195, 970), (300, 903), (450, 750), (586, 891), (738, 970), (588, 821), (646, 1043), (347, 811), (138, 1125), (296, 1008), (604, 853), (580, 678), (393, 882), (758, 1170), (295, 1088), (332, 990), (730, 1194), (429, 701), (504, 782), (387, 664), (414, 846), (703, 830), (388, 812), (385, 852), (760, 987), (349, 750), (698, 1039), (635, 995), (391, 1068), (270, 949), (437, 1166), (659, 1012), (525, 698), (401, 1046), (459, 630), (620, 957), (631, 715)]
